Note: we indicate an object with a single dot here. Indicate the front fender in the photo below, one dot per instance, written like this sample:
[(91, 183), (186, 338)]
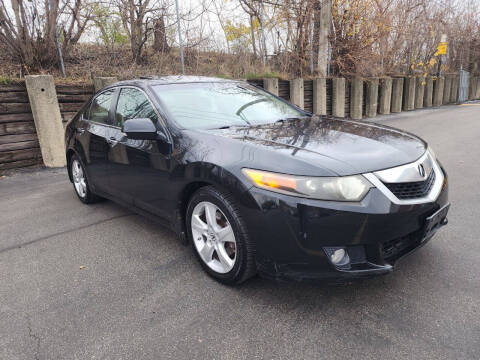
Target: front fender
[(198, 174), (221, 178)]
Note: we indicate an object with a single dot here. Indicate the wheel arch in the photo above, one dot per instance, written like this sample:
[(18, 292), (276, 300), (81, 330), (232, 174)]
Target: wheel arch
[(207, 175), (69, 155), (77, 150)]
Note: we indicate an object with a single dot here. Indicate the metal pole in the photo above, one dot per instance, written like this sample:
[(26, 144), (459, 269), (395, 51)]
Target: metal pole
[(443, 38), (263, 34), (329, 58), (180, 38), (62, 65)]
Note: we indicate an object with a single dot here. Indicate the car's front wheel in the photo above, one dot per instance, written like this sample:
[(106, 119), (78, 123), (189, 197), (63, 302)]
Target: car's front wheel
[(219, 236)]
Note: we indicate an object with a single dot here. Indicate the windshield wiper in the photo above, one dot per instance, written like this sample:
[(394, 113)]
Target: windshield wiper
[(290, 119), (230, 126)]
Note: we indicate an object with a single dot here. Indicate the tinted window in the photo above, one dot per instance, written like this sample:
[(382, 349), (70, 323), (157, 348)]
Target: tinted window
[(101, 106), (213, 105), (133, 103)]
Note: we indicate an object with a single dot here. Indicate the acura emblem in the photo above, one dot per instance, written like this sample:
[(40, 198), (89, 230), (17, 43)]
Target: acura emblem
[(421, 170)]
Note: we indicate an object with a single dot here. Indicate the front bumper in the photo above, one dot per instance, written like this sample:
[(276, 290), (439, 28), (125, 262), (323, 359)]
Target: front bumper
[(291, 234)]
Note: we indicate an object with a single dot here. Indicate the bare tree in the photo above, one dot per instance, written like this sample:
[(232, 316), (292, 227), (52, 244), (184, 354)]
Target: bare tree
[(30, 29), (138, 18)]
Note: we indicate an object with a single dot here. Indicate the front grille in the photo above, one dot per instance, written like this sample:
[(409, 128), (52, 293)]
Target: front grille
[(412, 190)]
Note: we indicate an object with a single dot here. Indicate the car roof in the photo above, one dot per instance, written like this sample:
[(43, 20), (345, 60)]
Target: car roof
[(171, 79)]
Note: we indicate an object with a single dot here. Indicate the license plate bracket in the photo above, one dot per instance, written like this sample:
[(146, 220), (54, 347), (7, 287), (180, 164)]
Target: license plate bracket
[(435, 222)]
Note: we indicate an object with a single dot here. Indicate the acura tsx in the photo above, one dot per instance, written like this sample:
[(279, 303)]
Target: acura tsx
[(254, 183)]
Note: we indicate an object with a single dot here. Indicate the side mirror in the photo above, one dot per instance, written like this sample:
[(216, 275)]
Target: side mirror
[(140, 129)]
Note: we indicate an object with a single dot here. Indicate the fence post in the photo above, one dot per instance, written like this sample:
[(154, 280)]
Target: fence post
[(397, 94), (463, 86), (338, 97), (471, 88), (371, 97), (385, 95), (428, 96), (454, 89), (100, 82), (409, 93), (356, 98), (475, 85), (297, 92), (271, 85), (438, 91), (419, 91), (447, 89), (477, 97), (320, 96), (48, 120)]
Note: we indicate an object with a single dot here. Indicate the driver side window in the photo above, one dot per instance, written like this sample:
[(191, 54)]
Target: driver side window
[(100, 107), (133, 103)]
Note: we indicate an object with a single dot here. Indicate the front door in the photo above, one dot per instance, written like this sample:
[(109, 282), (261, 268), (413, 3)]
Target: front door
[(138, 170), (93, 134)]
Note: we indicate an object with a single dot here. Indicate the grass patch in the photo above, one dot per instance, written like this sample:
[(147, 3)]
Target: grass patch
[(222, 76), (5, 80)]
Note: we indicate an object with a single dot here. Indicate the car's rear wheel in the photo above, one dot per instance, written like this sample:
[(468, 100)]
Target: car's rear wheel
[(219, 236), (80, 182)]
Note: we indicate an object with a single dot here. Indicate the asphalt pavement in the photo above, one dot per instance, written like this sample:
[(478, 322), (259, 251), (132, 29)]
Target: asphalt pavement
[(99, 282)]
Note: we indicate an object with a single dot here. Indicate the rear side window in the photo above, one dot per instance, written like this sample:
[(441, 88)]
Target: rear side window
[(101, 106), (133, 103)]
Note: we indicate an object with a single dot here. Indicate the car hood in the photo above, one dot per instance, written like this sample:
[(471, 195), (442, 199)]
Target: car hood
[(344, 147)]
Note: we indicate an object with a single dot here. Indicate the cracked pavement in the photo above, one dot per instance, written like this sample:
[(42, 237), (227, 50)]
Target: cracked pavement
[(98, 282)]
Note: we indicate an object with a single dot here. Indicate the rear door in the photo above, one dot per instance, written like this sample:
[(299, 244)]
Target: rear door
[(138, 170), (94, 133)]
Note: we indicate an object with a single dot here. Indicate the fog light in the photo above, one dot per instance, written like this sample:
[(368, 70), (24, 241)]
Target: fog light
[(338, 256)]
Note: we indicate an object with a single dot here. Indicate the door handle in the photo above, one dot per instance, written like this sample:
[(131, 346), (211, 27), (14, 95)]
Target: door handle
[(80, 131)]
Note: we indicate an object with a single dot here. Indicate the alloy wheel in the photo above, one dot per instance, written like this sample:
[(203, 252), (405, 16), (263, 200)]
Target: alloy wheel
[(79, 180), (213, 237)]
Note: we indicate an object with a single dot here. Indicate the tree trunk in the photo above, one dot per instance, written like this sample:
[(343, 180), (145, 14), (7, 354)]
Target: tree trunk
[(252, 32), (52, 14), (136, 40), (160, 37)]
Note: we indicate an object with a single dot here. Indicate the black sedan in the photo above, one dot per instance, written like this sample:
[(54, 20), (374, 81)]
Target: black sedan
[(255, 184)]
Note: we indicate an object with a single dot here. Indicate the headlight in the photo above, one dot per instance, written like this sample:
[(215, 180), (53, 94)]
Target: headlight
[(345, 188)]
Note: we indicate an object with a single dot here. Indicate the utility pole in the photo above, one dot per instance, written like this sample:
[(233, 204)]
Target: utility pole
[(323, 44), (180, 39)]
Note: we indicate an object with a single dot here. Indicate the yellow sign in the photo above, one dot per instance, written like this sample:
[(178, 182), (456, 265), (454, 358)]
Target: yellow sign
[(442, 48)]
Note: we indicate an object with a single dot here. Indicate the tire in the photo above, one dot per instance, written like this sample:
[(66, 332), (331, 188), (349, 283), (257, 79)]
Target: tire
[(204, 236), (80, 182)]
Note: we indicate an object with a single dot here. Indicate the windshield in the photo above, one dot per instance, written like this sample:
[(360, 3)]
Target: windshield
[(217, 105)]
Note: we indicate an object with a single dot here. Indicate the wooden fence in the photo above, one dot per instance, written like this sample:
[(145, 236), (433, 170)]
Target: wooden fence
[(18, 139), (19, 145)]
